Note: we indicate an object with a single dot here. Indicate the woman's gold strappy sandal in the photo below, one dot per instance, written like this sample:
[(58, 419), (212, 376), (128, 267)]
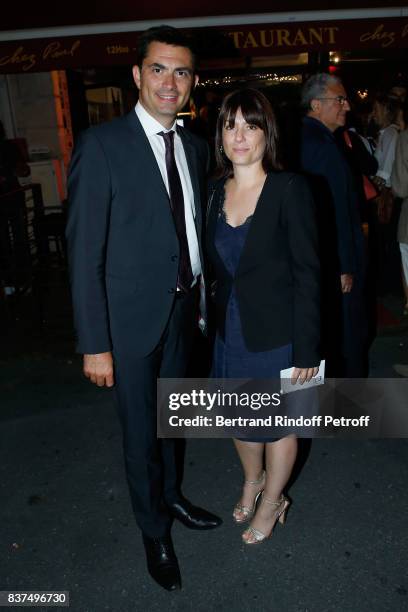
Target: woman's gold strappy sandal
[(245, 510), (281, 506)]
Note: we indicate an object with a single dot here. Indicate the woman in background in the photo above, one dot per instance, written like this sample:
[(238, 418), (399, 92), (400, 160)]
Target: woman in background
[(399, 183), (385, 214), (262, 245), (385, 112)]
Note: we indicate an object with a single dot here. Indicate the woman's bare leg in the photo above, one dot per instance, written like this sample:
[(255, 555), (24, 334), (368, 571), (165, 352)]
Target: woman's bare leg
[(251, 455)]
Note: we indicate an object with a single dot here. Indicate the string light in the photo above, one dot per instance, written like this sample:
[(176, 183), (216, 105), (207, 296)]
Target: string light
[(362, 93), (334, 57), (271, 78)]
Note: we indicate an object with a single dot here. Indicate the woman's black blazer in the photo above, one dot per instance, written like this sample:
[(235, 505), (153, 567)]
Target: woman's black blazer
[(278, 276)]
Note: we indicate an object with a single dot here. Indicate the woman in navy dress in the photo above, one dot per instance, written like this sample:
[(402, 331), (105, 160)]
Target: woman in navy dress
[(262, 246)]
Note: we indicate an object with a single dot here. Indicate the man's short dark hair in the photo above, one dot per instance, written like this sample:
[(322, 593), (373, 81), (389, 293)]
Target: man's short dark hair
[(163, 34)]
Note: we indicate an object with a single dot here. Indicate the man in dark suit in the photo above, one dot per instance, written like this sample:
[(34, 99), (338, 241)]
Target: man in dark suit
[(341, 239), (136, 188)]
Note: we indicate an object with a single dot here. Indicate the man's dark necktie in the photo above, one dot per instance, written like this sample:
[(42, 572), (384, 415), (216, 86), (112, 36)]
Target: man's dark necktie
[(185, 273)]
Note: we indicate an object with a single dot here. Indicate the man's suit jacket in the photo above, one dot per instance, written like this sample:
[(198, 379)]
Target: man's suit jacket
[(122, 244), (335, 193), (277, 279)]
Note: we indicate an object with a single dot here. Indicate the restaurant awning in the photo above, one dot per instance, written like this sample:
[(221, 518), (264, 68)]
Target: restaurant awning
[(253, 34)]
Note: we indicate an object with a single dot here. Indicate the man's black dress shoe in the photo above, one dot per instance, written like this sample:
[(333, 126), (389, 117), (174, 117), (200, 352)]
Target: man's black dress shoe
[(193, 516), (162, 562)]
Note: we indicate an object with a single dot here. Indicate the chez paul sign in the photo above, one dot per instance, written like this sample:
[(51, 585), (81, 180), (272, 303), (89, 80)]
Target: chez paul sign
[(39, 55)]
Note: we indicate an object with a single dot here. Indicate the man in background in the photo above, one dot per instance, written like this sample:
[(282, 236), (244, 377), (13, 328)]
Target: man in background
[(341, 239)]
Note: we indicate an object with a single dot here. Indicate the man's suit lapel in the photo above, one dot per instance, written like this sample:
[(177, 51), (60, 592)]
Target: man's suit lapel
[(192, 163), (151, 170), (142, 143), (191, 156)]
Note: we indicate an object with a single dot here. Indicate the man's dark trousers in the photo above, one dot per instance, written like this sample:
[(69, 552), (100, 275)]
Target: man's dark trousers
[(151, 463)]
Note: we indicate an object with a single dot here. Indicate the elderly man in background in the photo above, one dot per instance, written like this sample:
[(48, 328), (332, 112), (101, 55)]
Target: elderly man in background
[(341, 239)]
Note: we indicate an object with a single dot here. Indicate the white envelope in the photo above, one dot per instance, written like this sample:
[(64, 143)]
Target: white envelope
[(287, 387)]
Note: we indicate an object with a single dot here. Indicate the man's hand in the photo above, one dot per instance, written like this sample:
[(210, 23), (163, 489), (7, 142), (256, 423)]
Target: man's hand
[(303, 375), (99, 369), (346, 281)]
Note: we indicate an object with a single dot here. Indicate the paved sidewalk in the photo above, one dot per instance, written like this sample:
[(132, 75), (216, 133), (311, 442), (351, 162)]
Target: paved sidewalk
[(66, 521)]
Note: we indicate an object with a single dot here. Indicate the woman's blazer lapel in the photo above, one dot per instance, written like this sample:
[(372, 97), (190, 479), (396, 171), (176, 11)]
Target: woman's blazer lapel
[(212, 217), (260, 230)]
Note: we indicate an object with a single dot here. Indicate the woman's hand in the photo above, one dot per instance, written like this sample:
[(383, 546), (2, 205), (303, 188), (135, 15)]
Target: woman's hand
[(303, 375)]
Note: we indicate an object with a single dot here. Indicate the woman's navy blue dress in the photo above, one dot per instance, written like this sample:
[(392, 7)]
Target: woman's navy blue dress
[(231, 358)]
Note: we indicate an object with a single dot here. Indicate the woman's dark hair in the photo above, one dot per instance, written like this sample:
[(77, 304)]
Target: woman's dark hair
[(405, 112), (256, 110), (390, 105), (163, 34)]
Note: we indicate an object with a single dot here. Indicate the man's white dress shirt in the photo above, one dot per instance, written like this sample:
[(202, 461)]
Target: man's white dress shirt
[(152, 128)]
